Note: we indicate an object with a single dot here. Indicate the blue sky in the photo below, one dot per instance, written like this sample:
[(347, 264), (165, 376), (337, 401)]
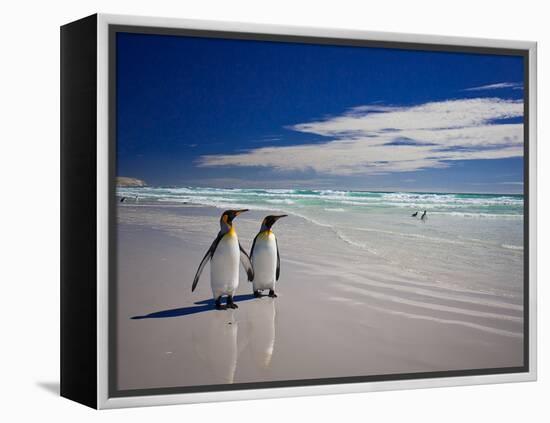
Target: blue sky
[(233, 113)]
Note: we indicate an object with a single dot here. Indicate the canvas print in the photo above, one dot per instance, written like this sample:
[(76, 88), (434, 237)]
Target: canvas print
[(294, 212)]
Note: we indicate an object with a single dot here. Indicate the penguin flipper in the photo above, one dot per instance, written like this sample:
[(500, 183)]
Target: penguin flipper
[(247, 264), (253, 244), (252, 252), (205, 259), (277, 273)]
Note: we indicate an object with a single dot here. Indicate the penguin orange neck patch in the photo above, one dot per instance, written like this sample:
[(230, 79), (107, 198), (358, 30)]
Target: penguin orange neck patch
[(266, 233), (226, 226)]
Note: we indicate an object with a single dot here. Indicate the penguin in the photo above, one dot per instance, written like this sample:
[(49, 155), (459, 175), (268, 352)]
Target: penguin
[(265, 258), (423, 217), (122, 199), (225, 253), (414, 214)]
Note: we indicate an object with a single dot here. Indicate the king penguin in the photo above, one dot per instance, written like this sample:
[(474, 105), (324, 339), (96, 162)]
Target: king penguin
[(225, 253), (265, 258)]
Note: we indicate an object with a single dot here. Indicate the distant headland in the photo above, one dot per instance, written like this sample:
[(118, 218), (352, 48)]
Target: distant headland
[(125, 181)]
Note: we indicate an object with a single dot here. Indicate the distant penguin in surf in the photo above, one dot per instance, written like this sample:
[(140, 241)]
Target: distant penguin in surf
[(424, 216), (122, 199), (265, 258), (225, 253), (414, 214)]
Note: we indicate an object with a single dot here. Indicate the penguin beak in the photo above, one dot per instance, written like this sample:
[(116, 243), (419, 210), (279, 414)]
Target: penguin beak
[(238, 212), (275, 218)]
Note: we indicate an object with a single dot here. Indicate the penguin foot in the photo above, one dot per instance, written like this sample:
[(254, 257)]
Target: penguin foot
[(230, 303), (219, 305), (257, 294), (272, 294)]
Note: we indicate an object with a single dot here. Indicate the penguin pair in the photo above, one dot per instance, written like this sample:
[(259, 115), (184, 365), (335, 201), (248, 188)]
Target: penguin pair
[(423, 217), (262, 266)]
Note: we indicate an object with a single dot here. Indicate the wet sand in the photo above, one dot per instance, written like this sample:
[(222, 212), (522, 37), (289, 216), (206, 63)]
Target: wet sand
[(341, 310)]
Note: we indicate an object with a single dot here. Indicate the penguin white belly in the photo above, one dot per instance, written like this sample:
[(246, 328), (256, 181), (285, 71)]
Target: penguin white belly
[(224, 269), (264, 262)]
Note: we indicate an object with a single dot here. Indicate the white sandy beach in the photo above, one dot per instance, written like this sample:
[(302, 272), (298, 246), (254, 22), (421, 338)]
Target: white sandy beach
[(341, 311)]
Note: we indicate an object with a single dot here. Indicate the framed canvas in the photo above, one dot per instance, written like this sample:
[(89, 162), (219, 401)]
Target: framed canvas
[(254, 211)]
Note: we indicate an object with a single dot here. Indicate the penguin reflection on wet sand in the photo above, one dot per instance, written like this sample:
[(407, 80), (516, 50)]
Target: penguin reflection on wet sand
[(262, 331), (225, 253), (265, 258), (216, 348)]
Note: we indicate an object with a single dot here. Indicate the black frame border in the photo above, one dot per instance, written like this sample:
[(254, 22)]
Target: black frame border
[(113, 29), (78, 211)]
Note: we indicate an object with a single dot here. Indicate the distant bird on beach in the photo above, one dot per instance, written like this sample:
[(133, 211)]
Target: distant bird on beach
[(424, 216), (414, 214), (122, 199), (225, 253), (265, 258)]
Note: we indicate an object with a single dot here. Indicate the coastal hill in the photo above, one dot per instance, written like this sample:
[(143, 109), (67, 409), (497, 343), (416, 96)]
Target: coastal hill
[(124, 181)]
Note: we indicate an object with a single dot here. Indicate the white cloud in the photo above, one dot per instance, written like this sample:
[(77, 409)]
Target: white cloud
[(500, 85), (435, 115), (380, 139)]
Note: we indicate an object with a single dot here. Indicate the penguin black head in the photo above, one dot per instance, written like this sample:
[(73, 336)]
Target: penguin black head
[(227, 217), (270, 220)]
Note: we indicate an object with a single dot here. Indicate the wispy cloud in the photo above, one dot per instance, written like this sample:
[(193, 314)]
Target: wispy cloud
[(497, 86), (376, 139)]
